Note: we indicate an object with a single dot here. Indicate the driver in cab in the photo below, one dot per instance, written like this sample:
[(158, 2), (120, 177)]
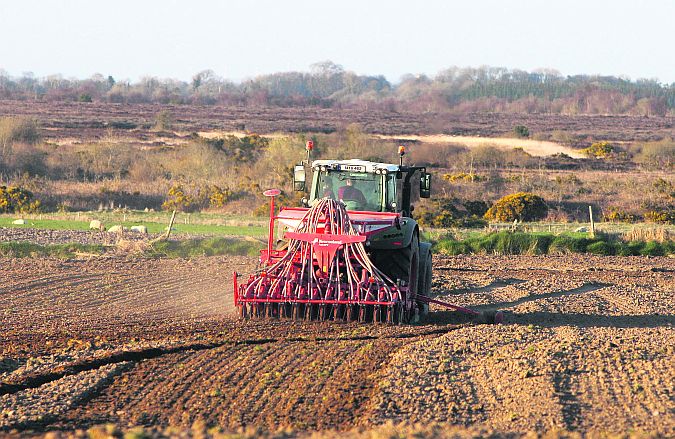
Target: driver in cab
[(350, 193)]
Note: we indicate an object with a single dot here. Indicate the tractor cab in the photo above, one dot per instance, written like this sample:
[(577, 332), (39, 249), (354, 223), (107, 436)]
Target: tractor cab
[(363, 185)]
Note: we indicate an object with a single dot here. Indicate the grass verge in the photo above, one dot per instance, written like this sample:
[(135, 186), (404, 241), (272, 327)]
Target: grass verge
[(516, 243), (153, 227), (213, 246)]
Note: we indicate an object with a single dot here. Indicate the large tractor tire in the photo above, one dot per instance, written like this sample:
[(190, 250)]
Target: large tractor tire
[(402, 264), (424, 283)]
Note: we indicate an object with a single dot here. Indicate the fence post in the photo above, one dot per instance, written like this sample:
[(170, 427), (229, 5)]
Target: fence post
[(590, 213), (168, 230)]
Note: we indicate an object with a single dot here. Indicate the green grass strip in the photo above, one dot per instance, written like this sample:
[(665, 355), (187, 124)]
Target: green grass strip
[(517, 243), (153, 227), (212, 246)]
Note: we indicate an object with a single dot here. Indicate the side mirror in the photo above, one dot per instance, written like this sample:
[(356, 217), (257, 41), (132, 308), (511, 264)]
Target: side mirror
[(425, 185), (299, 178)]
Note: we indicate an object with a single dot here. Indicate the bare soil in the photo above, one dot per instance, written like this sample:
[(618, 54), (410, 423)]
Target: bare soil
[(49, 237), (588, 346)]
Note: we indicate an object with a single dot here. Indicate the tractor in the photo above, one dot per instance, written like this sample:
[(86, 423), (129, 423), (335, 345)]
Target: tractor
[(352, 251)]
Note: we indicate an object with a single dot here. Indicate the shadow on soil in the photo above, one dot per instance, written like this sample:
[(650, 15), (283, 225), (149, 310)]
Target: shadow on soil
[(586, 288), (552, 320), (494, 285)]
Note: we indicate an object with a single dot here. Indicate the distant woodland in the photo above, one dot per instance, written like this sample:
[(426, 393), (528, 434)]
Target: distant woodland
[(329, 85)]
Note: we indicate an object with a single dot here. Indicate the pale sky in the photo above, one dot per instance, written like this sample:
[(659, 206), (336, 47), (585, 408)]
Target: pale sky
[(240, 39)]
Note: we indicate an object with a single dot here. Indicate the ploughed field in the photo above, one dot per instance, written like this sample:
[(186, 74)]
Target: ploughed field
[(588, 345)]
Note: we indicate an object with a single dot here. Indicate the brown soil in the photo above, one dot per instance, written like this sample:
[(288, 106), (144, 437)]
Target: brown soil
[(48, 237), (587, 347)]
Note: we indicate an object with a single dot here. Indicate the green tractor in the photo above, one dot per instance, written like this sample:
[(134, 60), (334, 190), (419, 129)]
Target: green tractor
[(370, 191)]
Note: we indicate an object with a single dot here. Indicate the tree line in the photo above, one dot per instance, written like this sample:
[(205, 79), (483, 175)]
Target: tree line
[(326, 84)]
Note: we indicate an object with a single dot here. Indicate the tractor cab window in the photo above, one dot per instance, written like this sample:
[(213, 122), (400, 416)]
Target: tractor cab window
[(358, 190), (391, 203)]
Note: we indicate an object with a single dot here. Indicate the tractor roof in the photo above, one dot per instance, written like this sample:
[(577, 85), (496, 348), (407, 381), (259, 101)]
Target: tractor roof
[(355, 165)]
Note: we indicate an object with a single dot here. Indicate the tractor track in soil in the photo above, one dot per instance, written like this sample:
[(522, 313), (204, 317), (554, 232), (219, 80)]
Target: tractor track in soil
[(587, 346), (308, 384), (335, 387), (35, 380)]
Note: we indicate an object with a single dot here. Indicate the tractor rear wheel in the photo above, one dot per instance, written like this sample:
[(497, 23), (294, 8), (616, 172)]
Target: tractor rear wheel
[(425, 283), (402, 264)]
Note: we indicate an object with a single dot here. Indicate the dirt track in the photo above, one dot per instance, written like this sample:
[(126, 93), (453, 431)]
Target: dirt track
[(588, 346), (536, 148)]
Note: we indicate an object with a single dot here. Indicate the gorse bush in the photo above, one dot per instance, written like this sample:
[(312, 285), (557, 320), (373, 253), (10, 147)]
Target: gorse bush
[(523, 206), (17, 200), (598, 150), (219, 197), (616, 215), (463, 176), (521, 131), (188, 198), (178, 199), (660, 217), (446, 213), (246, 149), (437, 213)]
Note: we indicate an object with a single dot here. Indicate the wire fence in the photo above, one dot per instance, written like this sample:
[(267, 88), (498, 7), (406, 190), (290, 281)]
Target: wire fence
[(553, 228)]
